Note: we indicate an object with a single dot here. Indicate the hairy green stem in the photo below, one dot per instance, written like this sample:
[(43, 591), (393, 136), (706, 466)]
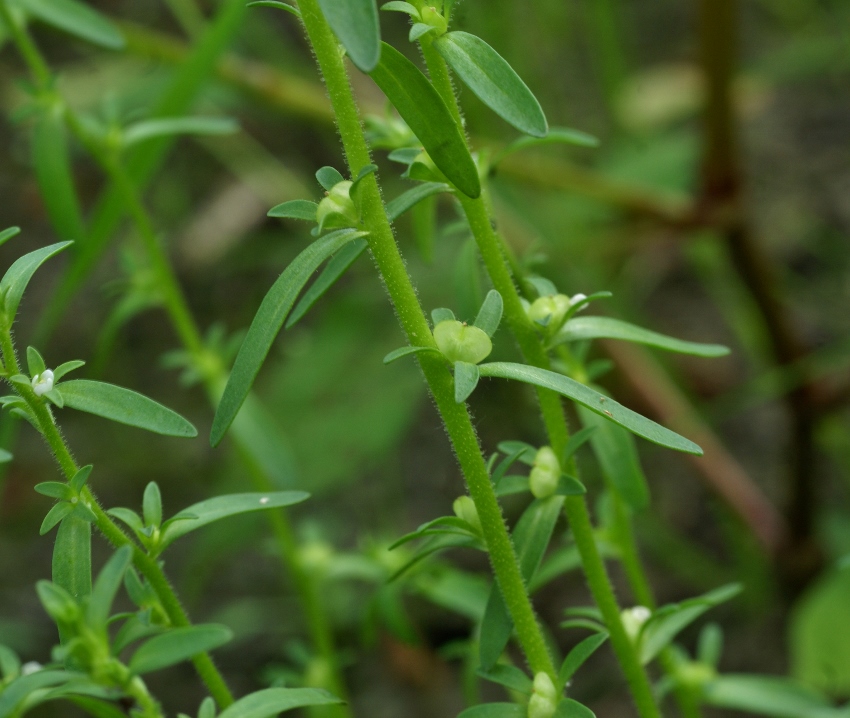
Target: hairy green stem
[(413, 321), (554, 419)]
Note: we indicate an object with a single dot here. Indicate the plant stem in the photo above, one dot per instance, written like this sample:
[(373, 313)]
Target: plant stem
[(575, 507), (413, 321)]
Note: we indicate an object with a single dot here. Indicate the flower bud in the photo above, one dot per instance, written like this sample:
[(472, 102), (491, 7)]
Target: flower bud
[(544, 697), (544, 477), (431, 16), (42, 383), (549, 311), (459, 342), (337, 208), (633, 620), (464, 508)]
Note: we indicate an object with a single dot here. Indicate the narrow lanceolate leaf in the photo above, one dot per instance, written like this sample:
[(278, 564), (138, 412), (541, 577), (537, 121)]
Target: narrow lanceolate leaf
[(269, 319), (407, 351), (7, 234), (54, 516), (18, 690), (108, 582), (55, 178), (578, 655), (221, 507), (466, 379), (355, 23), (272, 701), (15, 281), (404, 202), (124, 406), (609, 328), (330, 274), (556, 135), (177, 645), (169, 126), (593, 400), (489, 76), (72, 557), (508, 676), (772, 696), (490, 313), (295, 209), (276, 4), (76, 18), (495, 710), (422, 108)]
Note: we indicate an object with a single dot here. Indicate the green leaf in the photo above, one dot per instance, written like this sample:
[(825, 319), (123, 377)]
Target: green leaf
[(221, 507), (15, 281), (568, 708), (267, 323), (608, 328), (128, 516), (152, 505), (402, 203), (169, 126), (108, 582), (418, 30), (328, 177), (68, 366), (77, 19), (295, 209), (35, 363), (615, 451), (767, 695), (56, 397), (79, 479), (55, 489), (355, 23), (276, 4), (490, 313), (18, 690), (466, 379), (710, 645), (570, 486), (10, 664), (399, 6), (7, 234), (54, 173), (134, 629), (272, 701), (407, 351), (596, 402), (508, 676), (177, 645), (578, 655), (207, 708), (575, 442), (495, 710), (422, 108), (556, 135), (124, 406), (72, 557), (441, 314), (493, 80), (338, 265), (666, 622), (54, 516)]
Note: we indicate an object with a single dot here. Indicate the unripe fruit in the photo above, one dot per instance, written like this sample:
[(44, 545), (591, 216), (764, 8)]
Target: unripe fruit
[(459, 342), (430, 16), (337, 209), (464, 508), (544, 697), (549, 311), (544, 477)]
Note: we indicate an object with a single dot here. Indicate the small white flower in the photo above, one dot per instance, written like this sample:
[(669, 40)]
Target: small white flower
[(30, 667), (42, 383)]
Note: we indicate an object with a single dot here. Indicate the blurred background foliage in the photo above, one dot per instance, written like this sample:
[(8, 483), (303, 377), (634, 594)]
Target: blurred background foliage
[(716, 209)]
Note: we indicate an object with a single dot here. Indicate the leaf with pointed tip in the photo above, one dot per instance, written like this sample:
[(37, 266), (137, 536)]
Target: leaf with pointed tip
[(79, 479), (53, 170), (489, 76), (400, 6), (128, 516), (35, 362), (466, 379), (441, 314), (490, 313), (267, 322), (170, 126), (220, 507), (276, 4), (7, 234), (508, 676), (124, 406), (295, 209), (578, 655), (556, 135), (328, 177), (17, 277), (596, 402), (177, 645), (355, 23), (78, 19), (66, 367), (272, 701), (108, 582), (54, 516), (404, 202), (768, 695), (418, 30), (575, 442), (72, 557), (609, 328), (407, 351), (422, 108), (338, 265)]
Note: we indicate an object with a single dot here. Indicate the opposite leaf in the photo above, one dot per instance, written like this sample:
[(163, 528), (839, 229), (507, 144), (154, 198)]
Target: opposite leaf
[(124, 406), (177, 645), (490, 77), (490, 313), (466, 379), (355, 23)]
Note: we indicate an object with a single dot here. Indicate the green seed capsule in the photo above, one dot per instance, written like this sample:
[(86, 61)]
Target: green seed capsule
[(431, 16), (459, 342), (544, 697), (549, 311), (464, 508), (544, 477), (337, 208)]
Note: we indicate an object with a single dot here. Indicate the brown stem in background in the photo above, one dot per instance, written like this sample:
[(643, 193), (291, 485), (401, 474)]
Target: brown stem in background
[(722, 187)]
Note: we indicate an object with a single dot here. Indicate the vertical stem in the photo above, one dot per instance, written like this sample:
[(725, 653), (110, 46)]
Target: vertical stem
[(403, 296)]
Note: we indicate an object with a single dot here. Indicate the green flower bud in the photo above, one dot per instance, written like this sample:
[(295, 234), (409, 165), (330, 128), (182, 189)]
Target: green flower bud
[(633, 620), (337, 208), (431, 16), (544, 477), (459, 342), (549, 311), (464, 508), (544, 697)]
